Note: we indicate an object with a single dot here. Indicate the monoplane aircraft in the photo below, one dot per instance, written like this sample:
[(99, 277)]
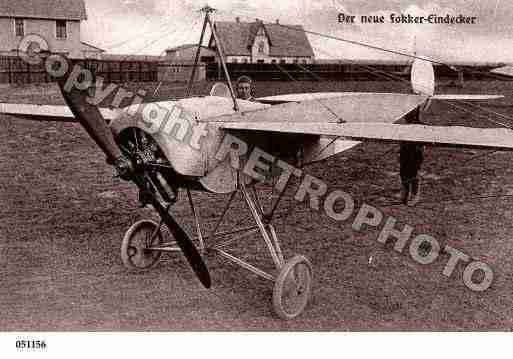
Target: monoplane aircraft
[(222, 145)]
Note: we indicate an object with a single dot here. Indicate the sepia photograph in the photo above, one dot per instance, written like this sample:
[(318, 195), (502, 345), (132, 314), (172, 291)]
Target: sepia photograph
[(255, 166)]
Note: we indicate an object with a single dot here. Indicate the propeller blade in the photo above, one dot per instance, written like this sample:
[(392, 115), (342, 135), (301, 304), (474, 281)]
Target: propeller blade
[(94, 123), (90, 118), (185, 243)]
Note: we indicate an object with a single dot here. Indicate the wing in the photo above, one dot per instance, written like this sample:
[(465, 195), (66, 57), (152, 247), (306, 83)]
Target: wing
[(460, 97), (457, 136), (351, 107), (48, 112), (300, 97), (365, 117)]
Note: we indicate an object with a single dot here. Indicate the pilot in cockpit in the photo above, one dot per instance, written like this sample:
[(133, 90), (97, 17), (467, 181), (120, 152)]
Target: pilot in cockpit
[(245, 88)]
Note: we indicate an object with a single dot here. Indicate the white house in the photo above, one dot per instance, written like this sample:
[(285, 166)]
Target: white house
[(57, 21), (256, 42)]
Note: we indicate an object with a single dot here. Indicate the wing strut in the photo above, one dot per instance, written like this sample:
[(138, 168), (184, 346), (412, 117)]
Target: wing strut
[(219, 46), (198, 51)]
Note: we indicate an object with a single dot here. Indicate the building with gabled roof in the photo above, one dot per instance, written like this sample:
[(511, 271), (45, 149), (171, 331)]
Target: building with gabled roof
[(187, 52), (57, 21), (256, 42)]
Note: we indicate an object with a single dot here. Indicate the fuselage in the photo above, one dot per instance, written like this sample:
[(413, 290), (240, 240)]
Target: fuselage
[(189, 133)]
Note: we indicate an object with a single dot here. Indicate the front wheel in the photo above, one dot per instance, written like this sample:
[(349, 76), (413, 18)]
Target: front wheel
[(136, 252), (292, 288)]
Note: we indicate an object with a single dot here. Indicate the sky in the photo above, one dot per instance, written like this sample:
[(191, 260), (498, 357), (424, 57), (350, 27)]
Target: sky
[(151, 26)]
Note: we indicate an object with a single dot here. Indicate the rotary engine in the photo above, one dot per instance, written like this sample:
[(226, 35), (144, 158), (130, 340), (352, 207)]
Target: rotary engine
[(150, 164)]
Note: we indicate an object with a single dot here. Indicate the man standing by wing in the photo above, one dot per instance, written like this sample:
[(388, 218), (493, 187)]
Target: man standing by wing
[(411, 156)]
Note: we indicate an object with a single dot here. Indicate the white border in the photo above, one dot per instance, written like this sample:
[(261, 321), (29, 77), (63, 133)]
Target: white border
[(260, 345)]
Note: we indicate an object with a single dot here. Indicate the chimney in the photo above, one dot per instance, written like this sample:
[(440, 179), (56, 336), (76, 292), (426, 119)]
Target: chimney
[(237, 19), (278, 21)]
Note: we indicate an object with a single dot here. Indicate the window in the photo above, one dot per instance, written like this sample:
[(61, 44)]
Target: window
[(19, 27), (296, 61), (260, 61), (261, 46), (246, 60), (61, 29), (207, 59), (273, 61), (235, 60), (283, 61)]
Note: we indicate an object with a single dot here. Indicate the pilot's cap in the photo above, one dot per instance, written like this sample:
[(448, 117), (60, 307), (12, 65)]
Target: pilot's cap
[(244, 79)]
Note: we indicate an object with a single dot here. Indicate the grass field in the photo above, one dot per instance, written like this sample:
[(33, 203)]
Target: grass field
[(63, 215)]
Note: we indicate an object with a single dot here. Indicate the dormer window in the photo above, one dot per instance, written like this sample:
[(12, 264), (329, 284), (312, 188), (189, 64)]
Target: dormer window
[(19, 27), (61, 32)]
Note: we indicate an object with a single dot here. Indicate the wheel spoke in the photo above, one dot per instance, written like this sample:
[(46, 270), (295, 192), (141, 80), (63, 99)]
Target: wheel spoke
[(124, 149), (134, 132), (159, 165)]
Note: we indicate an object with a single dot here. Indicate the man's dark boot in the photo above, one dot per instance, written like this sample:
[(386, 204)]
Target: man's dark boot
[(405, 192), (415, 192)]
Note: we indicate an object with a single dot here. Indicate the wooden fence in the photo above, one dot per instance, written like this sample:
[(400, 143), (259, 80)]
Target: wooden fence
[(342, 72), (13, 70), (301, 72)]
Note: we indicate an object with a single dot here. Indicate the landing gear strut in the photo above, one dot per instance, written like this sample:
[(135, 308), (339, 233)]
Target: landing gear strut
[(292, 279)]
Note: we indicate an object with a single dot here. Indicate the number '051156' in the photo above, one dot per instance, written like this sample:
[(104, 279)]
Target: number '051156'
[(30, 344)]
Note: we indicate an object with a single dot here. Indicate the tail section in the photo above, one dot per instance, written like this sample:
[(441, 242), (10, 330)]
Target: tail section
[(423, 77), (423, 83)]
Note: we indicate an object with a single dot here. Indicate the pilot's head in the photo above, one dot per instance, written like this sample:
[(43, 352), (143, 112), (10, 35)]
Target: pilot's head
[(244, 88)]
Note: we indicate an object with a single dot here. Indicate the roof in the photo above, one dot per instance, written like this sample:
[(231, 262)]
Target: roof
[(90, 47), (44, 9), (181, 47), (143, 58), (286, 40), (184, 46), (369, 62)]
